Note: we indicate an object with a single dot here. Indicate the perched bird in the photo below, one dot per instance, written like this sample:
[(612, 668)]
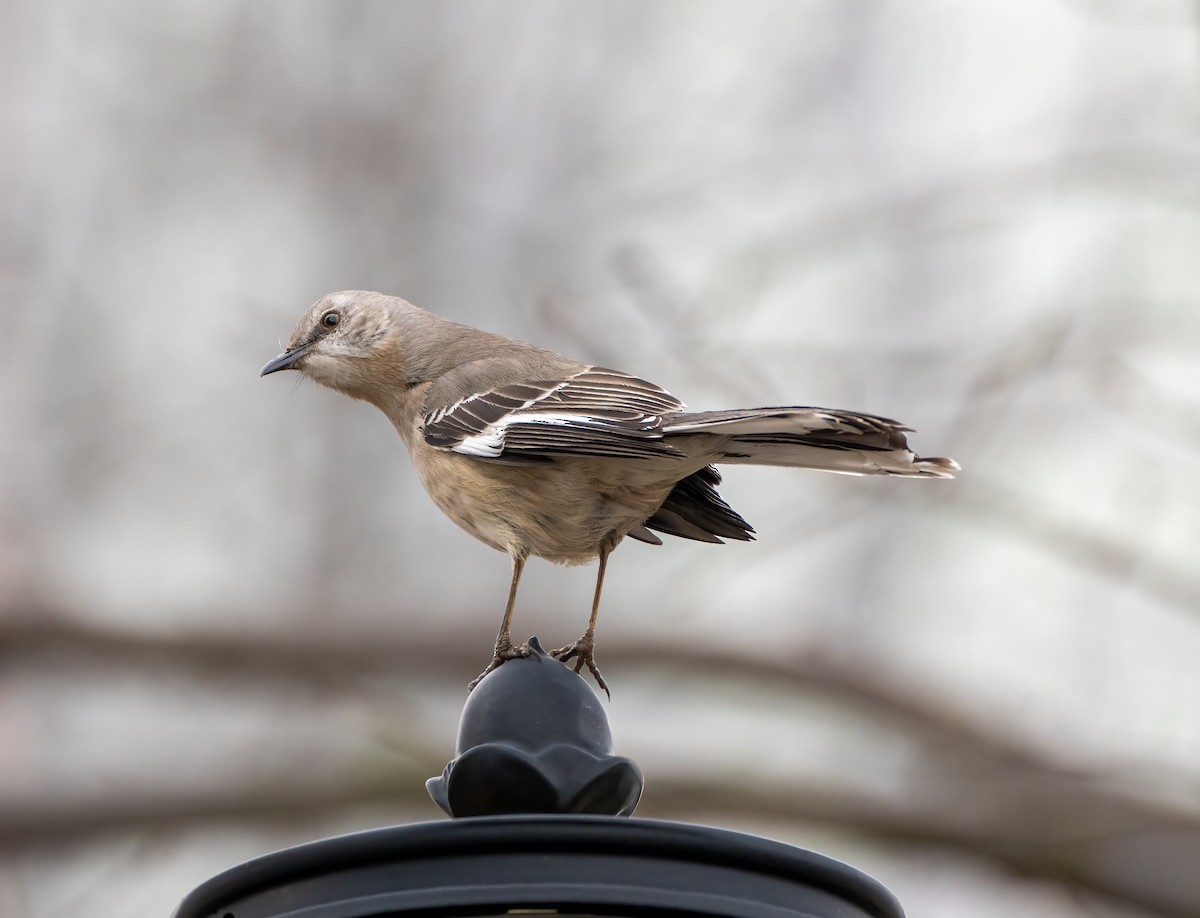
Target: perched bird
[(537, 454)]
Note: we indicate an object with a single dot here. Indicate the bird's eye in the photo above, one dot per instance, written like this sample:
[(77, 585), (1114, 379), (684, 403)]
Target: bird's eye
[(330, 319)]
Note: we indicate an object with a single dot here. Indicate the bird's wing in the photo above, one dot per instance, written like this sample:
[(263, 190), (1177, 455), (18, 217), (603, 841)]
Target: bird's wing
[(592, 412)]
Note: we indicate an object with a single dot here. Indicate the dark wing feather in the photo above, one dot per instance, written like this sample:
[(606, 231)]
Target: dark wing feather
[(595, 412)]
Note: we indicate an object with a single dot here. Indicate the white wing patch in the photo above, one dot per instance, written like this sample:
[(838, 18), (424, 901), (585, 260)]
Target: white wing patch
[(489, 443)]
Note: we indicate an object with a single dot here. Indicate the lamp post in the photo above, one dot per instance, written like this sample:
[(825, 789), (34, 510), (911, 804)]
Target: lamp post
[(540, 826)]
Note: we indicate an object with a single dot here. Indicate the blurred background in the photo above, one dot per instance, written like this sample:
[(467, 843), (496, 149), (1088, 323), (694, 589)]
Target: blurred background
[(230, 619)]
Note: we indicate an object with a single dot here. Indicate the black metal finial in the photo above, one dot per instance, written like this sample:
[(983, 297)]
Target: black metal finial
[(534, 738)]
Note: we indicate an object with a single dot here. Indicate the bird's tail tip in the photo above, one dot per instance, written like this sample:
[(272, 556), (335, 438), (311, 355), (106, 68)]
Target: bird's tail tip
[(935, 467)]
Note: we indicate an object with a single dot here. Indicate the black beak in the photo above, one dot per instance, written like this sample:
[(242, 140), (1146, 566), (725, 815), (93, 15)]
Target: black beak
[(284, 361)]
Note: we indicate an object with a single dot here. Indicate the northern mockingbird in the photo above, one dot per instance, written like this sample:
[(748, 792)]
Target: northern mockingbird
[(537, 454)]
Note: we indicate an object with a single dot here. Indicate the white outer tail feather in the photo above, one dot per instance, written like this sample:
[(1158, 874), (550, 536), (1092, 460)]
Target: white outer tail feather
[(903, 463)]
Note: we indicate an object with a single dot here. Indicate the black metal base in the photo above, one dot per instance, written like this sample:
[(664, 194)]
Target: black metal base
[(582, 865)]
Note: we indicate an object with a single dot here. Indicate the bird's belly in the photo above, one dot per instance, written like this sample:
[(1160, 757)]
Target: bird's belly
[(561, 511)]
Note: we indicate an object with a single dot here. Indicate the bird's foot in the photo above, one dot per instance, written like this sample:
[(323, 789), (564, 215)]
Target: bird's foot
[(505, 650), (583, 652)]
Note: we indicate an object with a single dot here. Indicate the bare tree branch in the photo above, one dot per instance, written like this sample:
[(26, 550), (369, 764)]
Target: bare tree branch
[(30, 637)]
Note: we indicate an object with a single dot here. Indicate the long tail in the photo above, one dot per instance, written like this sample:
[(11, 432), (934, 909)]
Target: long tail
[(812, 438)]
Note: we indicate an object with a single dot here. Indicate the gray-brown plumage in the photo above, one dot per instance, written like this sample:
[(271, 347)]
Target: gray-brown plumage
[(536, 454)]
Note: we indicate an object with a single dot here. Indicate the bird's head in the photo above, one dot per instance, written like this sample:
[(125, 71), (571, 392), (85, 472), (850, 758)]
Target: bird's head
[(347, 341)]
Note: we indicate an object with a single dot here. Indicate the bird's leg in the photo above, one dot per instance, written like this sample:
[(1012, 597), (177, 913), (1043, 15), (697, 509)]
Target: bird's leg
[(583, 649), (504, 645)]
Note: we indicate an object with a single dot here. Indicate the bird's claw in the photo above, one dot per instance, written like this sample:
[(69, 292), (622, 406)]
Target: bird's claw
[(504, 651), (583, 652)]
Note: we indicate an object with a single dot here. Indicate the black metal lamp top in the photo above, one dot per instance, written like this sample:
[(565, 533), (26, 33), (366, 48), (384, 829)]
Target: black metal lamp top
[(536, 770), (582, 865)]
